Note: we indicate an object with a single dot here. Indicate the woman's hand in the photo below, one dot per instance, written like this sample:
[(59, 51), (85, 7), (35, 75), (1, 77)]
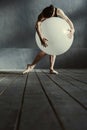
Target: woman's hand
[(71, 33), (44, 42)]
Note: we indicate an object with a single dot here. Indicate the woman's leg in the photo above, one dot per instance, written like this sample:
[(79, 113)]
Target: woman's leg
[(39, 56), (52, 62)]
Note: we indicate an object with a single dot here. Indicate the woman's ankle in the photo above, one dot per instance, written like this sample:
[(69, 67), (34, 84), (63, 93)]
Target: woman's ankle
[(51, 69)]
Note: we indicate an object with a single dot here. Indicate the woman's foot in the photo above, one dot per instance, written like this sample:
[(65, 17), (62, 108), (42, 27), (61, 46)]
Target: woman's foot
[(28, 69), (53, 72)]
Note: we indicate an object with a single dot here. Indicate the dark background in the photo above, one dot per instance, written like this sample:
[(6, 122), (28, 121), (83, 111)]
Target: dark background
[(17, 33)]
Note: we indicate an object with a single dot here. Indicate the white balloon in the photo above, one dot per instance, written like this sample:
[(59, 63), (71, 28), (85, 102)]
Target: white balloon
[(55, 30)]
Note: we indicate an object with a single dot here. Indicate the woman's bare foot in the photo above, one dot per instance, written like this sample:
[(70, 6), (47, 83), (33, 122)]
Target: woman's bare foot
[(28, 69), (53, 72)]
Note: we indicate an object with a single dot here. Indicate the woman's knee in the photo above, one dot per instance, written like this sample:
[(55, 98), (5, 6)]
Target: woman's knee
[(42, 53)]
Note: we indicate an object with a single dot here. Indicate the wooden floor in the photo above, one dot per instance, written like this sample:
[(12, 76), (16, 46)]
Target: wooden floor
[(43, 101)]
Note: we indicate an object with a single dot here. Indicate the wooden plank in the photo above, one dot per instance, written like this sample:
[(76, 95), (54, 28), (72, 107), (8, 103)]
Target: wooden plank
[(75, 90), (77, 71), (79, 75), (77, 83), (10, 102), (37, 113), (2, 77), (72, 114), (6, 81)]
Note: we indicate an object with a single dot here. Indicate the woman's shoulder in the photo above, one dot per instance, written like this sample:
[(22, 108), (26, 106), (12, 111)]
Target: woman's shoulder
[(59, 10), (41, 18)]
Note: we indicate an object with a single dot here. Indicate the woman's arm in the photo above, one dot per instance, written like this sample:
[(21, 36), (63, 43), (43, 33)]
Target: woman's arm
[(64, 16), (39, 31)]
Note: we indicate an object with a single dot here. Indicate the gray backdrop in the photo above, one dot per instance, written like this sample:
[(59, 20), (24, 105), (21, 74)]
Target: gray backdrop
[(17, 33)]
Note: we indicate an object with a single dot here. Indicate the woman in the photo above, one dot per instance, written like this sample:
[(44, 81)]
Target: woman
[(48, 12)]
